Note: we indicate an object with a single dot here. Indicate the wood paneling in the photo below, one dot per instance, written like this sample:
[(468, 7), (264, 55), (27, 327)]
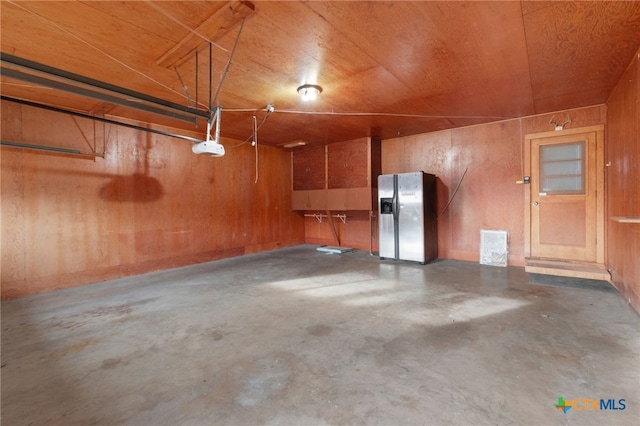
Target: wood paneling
[(564, 37), (355, 233), (309, 169), (348, 165), (431, 153), (351, 169), (12, 225), (488, 197), (149, 204), (347, 170), (309, 200), (579, 117), (623, 183), (388, 68)]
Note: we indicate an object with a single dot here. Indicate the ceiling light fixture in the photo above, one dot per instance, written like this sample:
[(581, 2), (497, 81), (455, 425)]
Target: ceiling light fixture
[(294, 144), (309, 92)]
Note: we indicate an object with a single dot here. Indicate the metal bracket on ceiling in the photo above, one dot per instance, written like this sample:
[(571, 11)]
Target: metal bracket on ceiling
[(209, 146), (217, 115)]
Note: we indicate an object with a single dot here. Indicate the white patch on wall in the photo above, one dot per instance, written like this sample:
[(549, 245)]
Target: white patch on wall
[(494, 247)]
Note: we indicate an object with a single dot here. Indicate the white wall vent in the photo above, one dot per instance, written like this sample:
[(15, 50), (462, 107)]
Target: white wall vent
[(494, 247)]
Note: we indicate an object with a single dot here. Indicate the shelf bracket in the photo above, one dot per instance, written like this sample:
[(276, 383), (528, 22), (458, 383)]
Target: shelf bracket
[(318, 216), (342, 217)]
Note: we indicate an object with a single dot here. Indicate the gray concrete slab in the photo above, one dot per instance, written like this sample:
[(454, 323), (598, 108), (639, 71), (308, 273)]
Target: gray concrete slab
[(294, 337)]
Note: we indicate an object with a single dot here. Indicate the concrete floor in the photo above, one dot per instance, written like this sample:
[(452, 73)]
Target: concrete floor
[(294, 337)]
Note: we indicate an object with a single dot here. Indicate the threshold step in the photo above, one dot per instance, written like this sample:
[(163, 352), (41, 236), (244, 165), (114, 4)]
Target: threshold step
[(567, 269)]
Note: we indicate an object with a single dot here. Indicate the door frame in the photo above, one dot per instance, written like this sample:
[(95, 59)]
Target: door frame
[(600, 185)]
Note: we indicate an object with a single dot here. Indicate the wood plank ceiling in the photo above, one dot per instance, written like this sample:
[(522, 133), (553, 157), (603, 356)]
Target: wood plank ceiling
[(386, 68)]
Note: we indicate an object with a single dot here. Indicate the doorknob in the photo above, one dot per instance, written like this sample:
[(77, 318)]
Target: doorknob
[(535, 203)]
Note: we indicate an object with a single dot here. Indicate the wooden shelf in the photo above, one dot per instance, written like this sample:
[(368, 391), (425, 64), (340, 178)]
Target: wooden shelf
[(337, 177), (314, 199), (626, 219)]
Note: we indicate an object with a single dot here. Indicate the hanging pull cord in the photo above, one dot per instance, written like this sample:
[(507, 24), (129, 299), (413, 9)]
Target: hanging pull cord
[(255, 143), (270, 109)]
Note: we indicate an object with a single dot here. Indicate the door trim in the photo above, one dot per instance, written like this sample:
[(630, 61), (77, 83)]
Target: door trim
[(600, 185)]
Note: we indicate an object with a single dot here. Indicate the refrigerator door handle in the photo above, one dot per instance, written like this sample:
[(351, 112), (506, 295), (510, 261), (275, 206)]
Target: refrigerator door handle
[(394, 206)]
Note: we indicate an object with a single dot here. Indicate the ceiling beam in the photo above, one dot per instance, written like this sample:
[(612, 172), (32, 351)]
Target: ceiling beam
[(212, 29)]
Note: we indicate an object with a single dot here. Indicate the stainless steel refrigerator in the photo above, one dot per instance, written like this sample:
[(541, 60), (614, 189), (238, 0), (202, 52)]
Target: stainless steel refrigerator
[(407, 217)]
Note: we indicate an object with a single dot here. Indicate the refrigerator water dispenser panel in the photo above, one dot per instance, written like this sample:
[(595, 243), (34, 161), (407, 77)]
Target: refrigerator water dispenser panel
[(386, 206)]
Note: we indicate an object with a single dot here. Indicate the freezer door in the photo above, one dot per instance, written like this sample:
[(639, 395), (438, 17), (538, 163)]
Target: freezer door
[(386, 223), (411, 217)]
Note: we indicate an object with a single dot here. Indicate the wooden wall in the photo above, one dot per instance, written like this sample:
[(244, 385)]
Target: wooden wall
[(149, 204), (488, 197), (359, 231), (347, 172), (623, 183)]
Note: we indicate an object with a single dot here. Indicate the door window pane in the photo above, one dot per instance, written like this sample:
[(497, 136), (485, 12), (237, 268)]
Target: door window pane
[(562, 168)]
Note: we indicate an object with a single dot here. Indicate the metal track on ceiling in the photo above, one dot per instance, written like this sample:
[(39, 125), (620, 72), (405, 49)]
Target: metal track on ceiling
[(43, 75)]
